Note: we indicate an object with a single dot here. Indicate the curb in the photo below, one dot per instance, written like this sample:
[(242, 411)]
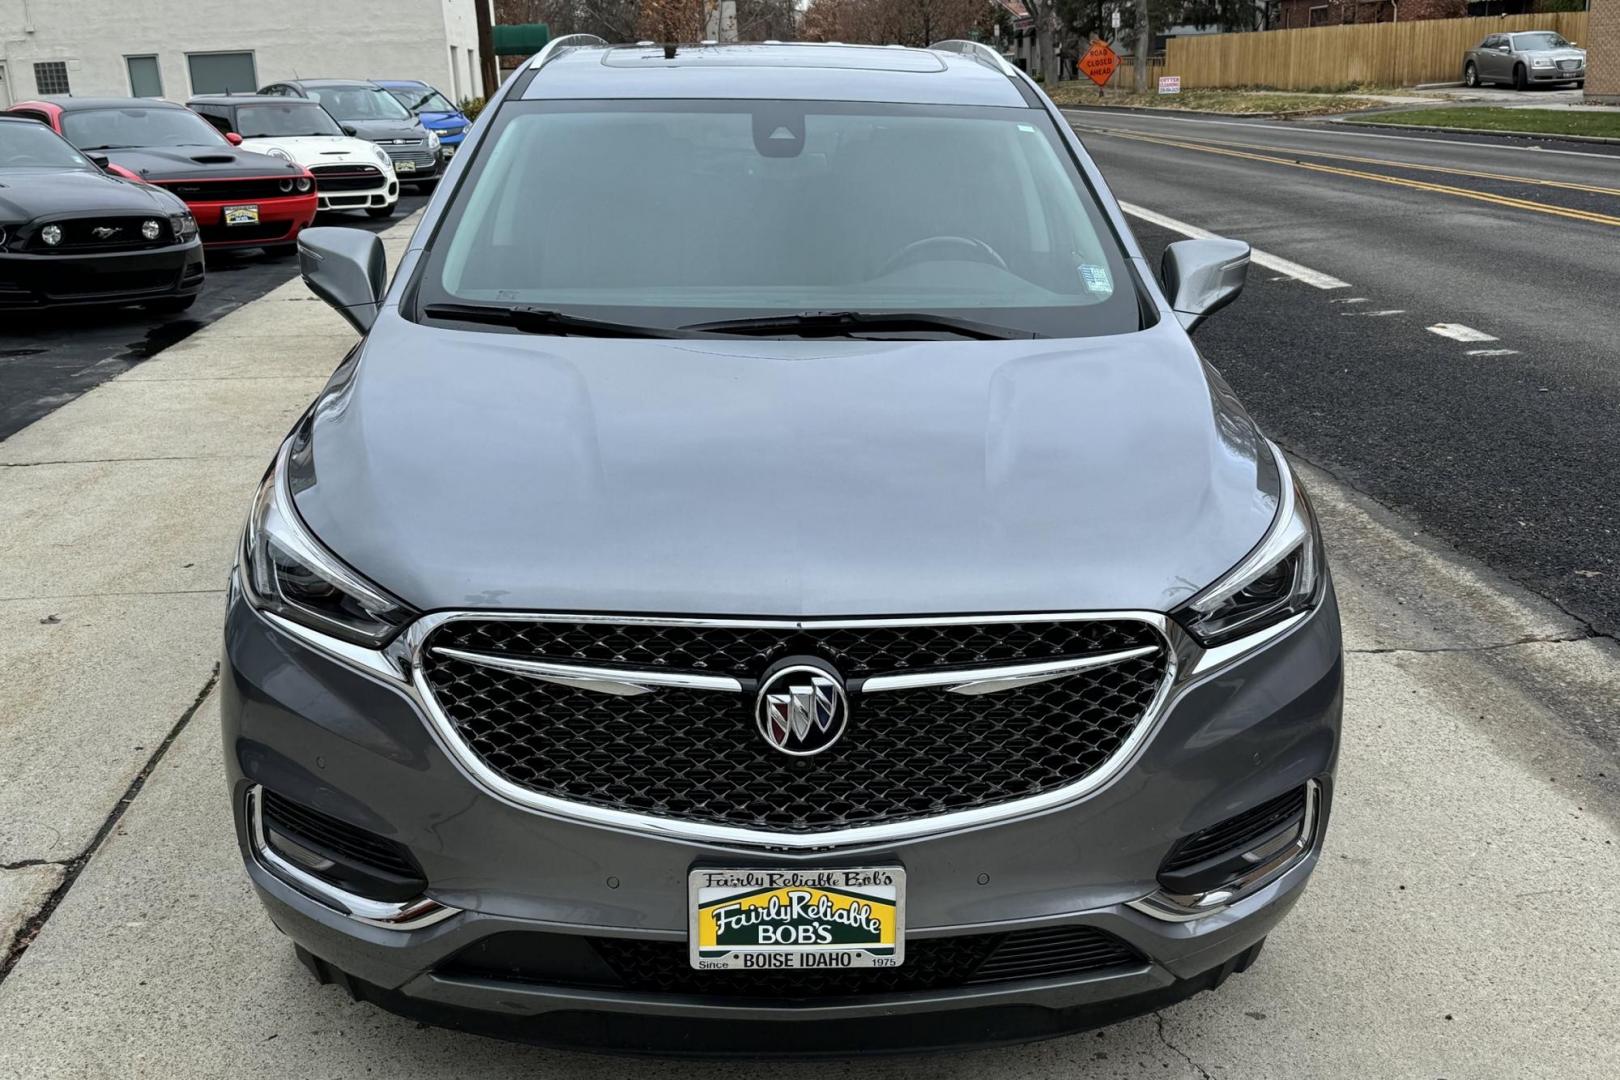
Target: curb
[(1542, 136)]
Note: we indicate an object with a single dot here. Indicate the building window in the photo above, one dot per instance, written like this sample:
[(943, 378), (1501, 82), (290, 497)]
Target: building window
[(222, 73), (51, 77), (1318, 16), (144, 78)]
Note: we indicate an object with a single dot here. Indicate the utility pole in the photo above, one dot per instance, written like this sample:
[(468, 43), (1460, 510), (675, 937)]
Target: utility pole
[(1143, 31), (486, 48)]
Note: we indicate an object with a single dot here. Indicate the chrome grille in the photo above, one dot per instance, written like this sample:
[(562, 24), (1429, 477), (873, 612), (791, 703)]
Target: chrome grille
[(695, 754), (422, 159)]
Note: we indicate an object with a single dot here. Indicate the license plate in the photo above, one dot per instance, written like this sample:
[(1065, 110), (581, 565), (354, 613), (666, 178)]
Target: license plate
[(404, 166), (814, 919), (241, 215)]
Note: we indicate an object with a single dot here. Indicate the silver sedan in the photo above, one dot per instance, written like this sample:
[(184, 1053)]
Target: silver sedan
[(1535, 56)]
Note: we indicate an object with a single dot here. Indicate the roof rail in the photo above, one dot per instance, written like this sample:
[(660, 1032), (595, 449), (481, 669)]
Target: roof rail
[(976, 50), (557, 46)]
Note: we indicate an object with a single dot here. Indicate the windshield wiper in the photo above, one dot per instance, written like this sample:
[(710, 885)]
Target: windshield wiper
[(107, 146), (838, 323), (537, 320)]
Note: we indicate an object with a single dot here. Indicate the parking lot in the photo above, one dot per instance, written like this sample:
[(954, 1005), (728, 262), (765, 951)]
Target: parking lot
[(1427, 331)]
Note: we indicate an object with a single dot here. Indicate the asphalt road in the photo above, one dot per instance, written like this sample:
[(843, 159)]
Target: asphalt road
[(49, 358), (1501, 445)]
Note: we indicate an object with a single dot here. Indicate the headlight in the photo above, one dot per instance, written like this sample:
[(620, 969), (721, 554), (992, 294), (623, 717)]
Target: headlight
[(1543, 62), (303, 183), (151, 230), (276, 151), (51, 234), (433, 140), (382, 155), (285, 570), (1277, 580), (184, 226)]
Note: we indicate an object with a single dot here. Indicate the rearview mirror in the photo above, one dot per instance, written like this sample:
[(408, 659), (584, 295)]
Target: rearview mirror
[(1203, 276), (347, 269), (233, 138)]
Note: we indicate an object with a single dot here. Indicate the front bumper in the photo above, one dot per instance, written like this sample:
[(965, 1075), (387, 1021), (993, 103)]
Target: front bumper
[(49, 281), (320, 732), (280, 221), (1557, 75), (386, 194)]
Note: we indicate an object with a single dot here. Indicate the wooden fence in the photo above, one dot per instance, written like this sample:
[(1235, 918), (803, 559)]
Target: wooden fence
[(1365, 54)]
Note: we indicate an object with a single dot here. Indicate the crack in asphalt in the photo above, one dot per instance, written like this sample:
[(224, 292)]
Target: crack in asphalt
[(1158, 1025), (75, 866), (1585, 636), (24, 864)]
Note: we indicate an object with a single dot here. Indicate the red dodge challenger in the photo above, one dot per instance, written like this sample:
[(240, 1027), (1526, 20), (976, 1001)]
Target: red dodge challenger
[(240, 199)]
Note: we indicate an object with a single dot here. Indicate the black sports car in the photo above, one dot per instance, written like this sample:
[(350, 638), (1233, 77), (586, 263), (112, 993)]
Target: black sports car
[(239, 198), (72, 234)]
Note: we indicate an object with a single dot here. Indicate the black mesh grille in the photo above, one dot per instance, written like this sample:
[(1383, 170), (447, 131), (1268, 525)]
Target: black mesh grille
[(697, 755), (312, 826), (1237, 833), (663, 967), (347, 177), (216, 190), (745, 652)]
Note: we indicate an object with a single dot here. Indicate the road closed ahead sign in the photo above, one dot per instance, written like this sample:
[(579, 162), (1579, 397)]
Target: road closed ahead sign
[(1099, 63)]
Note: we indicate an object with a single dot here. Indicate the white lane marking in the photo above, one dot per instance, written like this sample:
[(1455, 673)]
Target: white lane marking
[(1343, 129), (1373, 314), (1349, 300), (1492, 352), (1256, 256), (1459, 332)]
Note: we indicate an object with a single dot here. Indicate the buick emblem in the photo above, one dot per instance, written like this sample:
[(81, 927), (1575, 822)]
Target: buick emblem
[(801, 708)]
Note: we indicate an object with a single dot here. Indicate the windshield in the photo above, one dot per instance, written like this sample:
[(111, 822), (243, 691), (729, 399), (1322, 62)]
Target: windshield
[(1537, 42), (290, 118), (421, 99), (110, 129), (669, 213), (35, 146), (359, 103)]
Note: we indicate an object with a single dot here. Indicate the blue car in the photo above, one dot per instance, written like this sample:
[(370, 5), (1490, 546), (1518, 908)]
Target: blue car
[(436, 112)]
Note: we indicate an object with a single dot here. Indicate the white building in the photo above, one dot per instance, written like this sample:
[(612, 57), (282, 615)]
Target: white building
[(176, 48)]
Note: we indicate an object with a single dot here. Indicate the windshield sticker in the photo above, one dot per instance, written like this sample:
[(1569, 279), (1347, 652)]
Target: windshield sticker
[(1096, 279)]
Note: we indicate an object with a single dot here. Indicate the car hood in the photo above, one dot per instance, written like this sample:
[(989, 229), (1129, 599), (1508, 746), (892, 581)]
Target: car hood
[(1556, 54), (26, 194), (195, 162), (442, 119), (386, 129), (318, 149), (785, 478)]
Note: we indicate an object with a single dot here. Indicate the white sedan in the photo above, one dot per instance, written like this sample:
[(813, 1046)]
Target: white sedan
[(350, 173)]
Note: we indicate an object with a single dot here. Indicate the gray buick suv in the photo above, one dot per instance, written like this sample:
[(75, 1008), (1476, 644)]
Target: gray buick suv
[(776, 577)]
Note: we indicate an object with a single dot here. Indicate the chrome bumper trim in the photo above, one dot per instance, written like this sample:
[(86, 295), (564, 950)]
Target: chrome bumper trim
[(409, 915), (1172, 907)]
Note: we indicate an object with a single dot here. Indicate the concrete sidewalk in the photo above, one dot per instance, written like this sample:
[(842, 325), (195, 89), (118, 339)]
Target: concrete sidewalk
[(1458, 926)]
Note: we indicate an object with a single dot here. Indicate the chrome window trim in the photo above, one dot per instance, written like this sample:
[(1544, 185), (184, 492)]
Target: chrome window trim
[(1173, 907), (408, 915), (398, 666)]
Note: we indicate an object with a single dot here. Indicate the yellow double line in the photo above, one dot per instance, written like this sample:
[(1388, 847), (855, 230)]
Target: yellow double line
[(1399, 181)]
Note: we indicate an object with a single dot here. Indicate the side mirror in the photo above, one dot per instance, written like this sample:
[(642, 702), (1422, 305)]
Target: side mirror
[(347, 269), (350, 129), (100, 161), (233, 138), (1203, 276)]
